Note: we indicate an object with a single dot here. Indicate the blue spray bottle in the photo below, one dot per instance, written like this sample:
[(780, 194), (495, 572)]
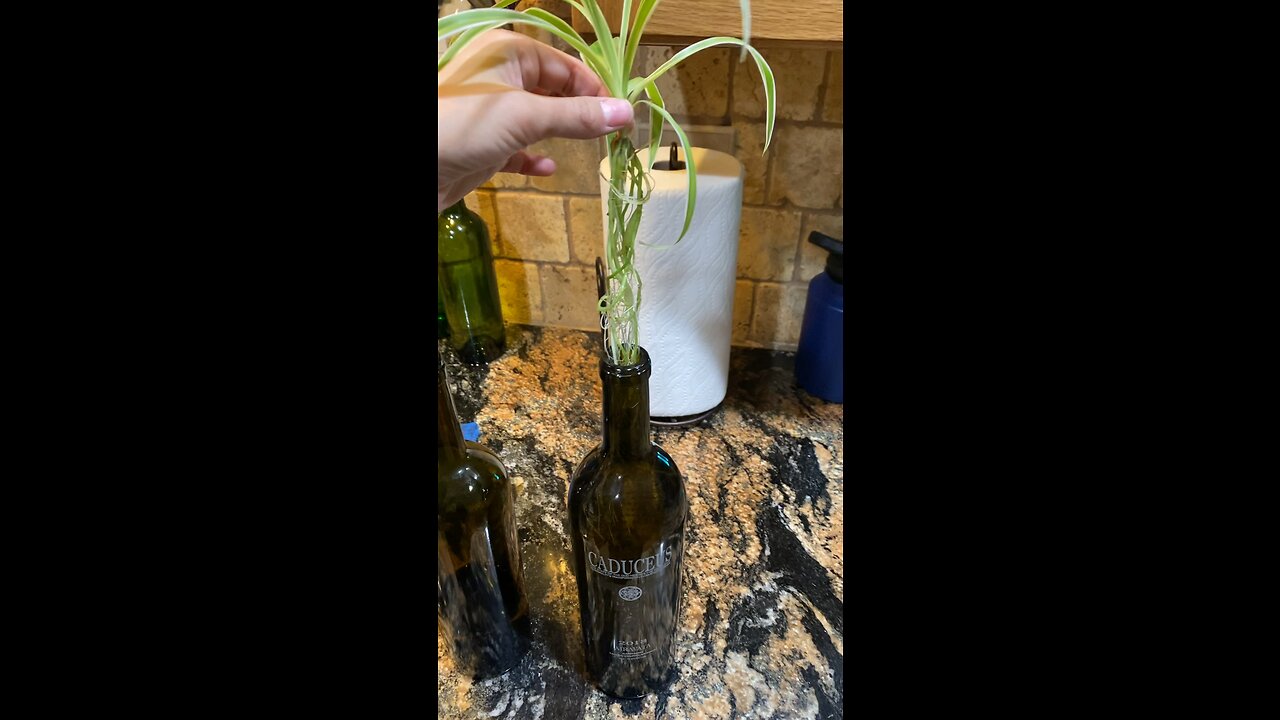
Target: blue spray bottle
[(820, 357)]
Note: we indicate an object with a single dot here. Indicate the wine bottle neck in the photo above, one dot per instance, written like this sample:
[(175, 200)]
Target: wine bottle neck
[(449, 443), (458, 209), (626, 411)]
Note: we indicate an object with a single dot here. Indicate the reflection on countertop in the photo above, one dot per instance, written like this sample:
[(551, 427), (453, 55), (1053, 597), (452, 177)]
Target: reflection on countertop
[(762, 626)]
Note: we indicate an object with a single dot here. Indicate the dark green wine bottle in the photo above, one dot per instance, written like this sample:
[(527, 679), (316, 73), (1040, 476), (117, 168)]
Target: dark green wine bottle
[(443, 331), (481, 604), (627, 514), (469, 287)]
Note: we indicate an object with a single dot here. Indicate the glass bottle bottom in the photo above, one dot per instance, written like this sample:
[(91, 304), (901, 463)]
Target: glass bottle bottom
[(480, 349), (484, 640), (622, 697)]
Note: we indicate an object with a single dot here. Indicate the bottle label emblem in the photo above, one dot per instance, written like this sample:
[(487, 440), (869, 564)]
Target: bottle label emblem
[(630, 592)]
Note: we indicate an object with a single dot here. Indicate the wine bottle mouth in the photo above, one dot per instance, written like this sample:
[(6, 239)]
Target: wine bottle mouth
[(643, 366)]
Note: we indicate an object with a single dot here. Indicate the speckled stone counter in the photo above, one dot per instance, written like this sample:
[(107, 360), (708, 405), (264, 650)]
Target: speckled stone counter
[(762, 626)]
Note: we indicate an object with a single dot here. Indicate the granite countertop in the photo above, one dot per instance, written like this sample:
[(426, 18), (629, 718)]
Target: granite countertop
[(762, 628)]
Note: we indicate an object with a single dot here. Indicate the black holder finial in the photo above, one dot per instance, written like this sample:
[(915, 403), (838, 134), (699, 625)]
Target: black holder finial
[(673, 162), (602, 287)]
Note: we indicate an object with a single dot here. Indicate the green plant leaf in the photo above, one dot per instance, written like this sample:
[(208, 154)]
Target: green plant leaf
[(462, 41), (655, 121), (623, 23), (489, 18), (633, 41), (571, 36), (692, 172), (746, 28), (604, 37), (766, 76), (565, 28), (593, 57), (450, 25)]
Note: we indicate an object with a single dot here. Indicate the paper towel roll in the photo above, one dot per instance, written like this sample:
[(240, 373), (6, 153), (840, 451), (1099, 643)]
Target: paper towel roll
[(686, 304)]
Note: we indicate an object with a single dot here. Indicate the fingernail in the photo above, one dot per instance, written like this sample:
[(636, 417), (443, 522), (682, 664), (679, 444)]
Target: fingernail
[(616, 112)]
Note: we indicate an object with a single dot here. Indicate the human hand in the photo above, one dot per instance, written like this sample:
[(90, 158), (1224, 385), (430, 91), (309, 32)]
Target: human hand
[(502, 93)]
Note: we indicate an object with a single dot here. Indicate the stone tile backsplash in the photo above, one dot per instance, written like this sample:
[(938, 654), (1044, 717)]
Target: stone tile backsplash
[(548, 231), (798, 75), (807, 166)]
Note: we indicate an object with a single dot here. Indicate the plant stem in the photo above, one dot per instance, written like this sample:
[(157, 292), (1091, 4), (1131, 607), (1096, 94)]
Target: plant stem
[(629, 187)]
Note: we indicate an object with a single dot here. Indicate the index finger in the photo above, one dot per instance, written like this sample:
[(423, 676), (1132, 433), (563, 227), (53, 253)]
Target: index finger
[(545, 68)]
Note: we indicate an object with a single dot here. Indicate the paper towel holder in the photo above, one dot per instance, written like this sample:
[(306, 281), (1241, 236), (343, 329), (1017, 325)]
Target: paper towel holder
[(660, 421), (684, 420), (689, 343)]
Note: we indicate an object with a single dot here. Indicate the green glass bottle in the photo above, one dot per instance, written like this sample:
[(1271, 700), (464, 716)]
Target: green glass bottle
[(443, 330), (469, 287), (627, 515), (481, 610)]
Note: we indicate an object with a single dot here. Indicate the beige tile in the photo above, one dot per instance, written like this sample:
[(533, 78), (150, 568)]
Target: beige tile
[(755, 164), (797, 78), (532, 227), (505, 181), (481, 203), (779, 312), (586, 228), (807, 166), (767, 240), (577, 166), (569, 297), (743, 294), (833, 103), (813, 259), (698, 87), (520, 290)]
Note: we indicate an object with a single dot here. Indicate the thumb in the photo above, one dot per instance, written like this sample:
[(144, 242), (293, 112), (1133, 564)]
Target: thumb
[(542, 117)]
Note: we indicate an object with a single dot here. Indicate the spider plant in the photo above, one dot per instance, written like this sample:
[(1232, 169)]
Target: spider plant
[(612, 58)]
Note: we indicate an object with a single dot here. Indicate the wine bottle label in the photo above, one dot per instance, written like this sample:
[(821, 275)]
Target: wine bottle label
[(634, 599), (636, 568), (631, 648)]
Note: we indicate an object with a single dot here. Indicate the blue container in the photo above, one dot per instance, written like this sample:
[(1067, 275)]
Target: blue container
[(820, 357)]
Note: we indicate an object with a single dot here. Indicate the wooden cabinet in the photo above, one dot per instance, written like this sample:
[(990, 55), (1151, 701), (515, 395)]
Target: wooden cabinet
[(801, 23)]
